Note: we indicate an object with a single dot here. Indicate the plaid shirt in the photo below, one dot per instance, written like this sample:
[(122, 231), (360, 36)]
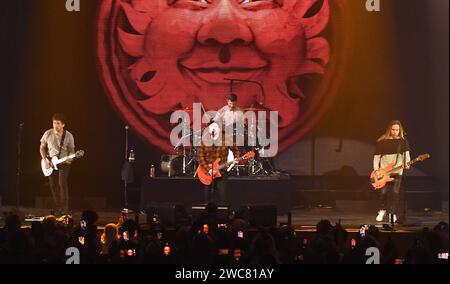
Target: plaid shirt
[(208, 154)]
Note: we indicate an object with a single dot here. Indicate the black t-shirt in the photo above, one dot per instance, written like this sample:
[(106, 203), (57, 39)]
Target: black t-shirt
[(391, 146)]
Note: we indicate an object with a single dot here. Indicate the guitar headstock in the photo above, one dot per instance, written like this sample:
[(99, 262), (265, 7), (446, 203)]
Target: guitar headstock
[(79, 154), (248, 155), (423, 157)]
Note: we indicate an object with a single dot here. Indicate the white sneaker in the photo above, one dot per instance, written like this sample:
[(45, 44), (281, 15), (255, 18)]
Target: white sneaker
[(380, 215)]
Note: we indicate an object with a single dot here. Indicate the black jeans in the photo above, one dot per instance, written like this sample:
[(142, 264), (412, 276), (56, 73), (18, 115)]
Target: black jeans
[(216, 192), (392, 198), (60, 188)]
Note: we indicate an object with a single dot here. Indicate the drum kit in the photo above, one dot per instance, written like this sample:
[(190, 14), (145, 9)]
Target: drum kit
[(184, 161)]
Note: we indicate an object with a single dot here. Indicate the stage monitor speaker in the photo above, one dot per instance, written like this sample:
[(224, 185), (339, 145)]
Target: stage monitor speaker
[(168, 214), (223, 212), (259, 215)]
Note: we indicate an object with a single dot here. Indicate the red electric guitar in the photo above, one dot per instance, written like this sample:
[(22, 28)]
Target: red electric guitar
[(207, 179), (380, 177)]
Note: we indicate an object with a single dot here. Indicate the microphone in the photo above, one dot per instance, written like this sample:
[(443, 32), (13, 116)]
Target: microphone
[(126, 127), (21, 124), (263, 95)]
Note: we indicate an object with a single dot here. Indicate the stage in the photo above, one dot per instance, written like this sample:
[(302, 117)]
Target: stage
[(274, 190), (303, 220)]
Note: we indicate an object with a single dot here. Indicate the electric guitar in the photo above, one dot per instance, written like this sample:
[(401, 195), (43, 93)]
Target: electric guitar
[(206, 178), (380, 177), (55, 162)]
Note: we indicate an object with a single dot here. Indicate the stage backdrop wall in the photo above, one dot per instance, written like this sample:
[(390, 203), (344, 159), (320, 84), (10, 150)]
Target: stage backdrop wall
[(395, 66)]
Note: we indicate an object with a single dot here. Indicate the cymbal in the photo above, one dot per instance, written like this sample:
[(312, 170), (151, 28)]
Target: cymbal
[(187, 109), (254, 109)]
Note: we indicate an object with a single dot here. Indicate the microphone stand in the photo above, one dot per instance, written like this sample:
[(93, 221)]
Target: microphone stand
[(126, 171), (19, 164), (126, 142), (263, 97), (213, 185)]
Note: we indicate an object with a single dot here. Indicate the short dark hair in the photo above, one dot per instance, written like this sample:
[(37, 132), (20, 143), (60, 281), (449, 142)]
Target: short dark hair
[(232, 97), (59, 117), (89, 216)]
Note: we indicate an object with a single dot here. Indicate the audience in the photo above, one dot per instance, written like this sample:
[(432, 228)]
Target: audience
[(207, 241)]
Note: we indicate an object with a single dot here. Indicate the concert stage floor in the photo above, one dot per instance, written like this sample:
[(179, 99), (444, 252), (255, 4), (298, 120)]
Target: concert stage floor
[(303, 220)]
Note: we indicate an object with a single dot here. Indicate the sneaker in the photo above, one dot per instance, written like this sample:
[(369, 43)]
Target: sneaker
[(380, 215), (393, 218)]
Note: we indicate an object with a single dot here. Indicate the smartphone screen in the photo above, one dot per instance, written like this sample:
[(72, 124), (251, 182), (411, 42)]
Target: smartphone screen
[(167, 250), (398, 261), (443, 255), (362, 230), (240, 234), (223, 251), (126, 236), (83, 224)]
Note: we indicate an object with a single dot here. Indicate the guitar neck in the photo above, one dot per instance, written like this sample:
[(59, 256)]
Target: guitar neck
[(229, 164), (66, 158), (403, 166)]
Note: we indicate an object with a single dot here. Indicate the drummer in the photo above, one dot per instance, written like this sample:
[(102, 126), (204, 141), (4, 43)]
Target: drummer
[(231, 115)]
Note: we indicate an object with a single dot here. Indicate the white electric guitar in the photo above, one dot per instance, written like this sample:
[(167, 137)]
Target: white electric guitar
[(55, 162)]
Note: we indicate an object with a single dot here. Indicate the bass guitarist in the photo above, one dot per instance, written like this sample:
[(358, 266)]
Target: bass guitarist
[(58, 142), (392, 147)]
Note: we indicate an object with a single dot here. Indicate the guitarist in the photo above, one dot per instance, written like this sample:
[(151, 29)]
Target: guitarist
[(212, 148), (58, 142), (392, 147)]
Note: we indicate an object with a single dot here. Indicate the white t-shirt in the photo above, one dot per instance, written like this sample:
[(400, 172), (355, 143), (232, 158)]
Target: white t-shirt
[(226, 117), (52, 141)]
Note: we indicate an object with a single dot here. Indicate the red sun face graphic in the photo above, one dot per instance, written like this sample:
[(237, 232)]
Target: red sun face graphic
[(156, 56)]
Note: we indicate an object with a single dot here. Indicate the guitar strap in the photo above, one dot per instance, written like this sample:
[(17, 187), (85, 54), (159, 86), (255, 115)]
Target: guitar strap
[(404, 152), (61, 143), (399, 147)]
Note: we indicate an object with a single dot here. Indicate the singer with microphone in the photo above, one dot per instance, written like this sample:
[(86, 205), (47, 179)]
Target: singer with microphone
[(392, 147), (214, 148)]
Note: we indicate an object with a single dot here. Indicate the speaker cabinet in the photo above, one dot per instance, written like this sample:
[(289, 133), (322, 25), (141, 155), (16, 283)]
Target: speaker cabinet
[(259, 215), (168, 214)]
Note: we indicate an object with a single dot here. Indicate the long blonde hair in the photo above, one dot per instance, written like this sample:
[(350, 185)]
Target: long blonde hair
[(109, 235), (387, 133)]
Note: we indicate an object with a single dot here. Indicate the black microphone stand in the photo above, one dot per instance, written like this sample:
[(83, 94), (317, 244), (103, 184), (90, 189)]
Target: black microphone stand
[(262, 102), (127, 172), (213, 185), (19, 163)]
